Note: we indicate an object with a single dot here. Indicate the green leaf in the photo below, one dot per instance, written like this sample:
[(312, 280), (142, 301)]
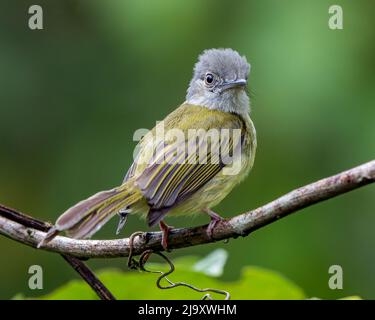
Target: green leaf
[(352, 298), (254, 282), (213, 264)]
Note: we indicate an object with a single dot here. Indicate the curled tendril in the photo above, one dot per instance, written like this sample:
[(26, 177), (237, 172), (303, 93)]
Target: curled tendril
[(132, 263), (144, 257)]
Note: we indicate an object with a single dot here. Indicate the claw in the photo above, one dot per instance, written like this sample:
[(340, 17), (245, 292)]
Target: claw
[(165, 229), (215, 218)]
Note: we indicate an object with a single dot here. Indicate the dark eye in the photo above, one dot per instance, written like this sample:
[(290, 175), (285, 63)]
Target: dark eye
[(209, 79)]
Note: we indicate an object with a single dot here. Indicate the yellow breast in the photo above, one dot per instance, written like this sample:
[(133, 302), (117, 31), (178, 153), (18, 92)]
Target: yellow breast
[(161, 181)]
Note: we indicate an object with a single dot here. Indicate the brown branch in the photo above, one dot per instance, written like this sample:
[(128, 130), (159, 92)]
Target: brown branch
[(24, 219), (240, 225), (84, 271), (79, 266)]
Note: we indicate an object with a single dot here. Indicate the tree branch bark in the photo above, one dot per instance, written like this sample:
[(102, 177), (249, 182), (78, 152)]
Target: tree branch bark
[(240, 225), (79, 266), (84, 271)]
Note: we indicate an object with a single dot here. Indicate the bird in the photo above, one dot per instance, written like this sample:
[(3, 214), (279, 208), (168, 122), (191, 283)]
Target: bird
[(171, 175)]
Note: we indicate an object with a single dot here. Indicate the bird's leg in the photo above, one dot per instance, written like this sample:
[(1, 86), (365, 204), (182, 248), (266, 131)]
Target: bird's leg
[(215, 218), (165, 229)]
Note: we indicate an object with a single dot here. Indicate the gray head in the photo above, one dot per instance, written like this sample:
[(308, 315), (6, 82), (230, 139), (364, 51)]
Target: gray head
[(219, 81)]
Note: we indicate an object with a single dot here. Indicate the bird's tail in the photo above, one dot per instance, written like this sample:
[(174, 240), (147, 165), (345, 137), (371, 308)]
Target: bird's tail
[(88, 216)]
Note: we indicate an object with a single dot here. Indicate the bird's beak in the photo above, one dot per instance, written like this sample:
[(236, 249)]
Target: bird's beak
[(233, 84)]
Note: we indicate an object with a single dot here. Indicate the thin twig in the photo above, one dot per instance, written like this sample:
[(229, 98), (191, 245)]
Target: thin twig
[(79, 266), (240, 225), (163, 275), (85, 272), (140, 265), (24, 219), (132, 263)]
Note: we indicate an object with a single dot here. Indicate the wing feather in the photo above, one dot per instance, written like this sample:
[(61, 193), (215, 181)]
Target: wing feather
[(174, 174)]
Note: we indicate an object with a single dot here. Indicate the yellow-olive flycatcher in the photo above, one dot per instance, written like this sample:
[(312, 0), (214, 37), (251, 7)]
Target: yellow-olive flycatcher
[(188, 162)]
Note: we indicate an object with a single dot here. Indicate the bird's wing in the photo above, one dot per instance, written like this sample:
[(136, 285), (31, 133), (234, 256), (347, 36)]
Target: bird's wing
[(179, 169), (131, 171)]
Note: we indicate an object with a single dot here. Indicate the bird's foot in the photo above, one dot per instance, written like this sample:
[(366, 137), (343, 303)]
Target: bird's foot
[(165, 230), (215, 218)]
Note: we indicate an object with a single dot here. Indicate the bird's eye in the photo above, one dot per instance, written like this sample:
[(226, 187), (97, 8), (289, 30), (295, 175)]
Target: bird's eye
[(209, 79)]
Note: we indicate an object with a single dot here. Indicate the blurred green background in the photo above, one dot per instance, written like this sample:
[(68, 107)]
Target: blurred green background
[(72, 95)]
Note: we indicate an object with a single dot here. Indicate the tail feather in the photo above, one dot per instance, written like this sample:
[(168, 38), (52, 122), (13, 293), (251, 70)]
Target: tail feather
[(82, 209), (88, 216), (96, 219)]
